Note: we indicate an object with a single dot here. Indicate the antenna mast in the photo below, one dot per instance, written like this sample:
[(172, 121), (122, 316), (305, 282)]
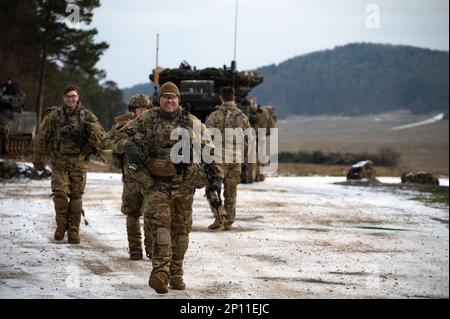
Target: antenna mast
[(157, 49), (156, 70), (235, 29), (234, 63)]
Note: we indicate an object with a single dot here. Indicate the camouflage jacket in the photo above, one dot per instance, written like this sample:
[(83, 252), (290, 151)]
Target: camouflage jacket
[(152, 132), (68, 135), (119, 123), (118, 159), (228, 115)]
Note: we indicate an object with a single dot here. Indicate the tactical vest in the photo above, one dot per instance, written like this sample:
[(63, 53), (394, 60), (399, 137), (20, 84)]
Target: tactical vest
[(160, 145), (71, 137), (231, 119)]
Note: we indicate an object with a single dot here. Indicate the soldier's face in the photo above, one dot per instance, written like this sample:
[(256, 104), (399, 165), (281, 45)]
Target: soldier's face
[(169, 102), (140, 110), (71, 99)]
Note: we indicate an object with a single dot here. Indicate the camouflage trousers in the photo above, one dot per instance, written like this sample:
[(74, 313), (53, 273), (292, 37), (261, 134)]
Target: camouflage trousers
[(232, 177), (132, 200), (169, 212), (68, 183)]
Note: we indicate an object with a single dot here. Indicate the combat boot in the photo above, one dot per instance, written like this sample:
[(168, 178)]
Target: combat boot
[(135, 255), (60, 232), (216, 225), (177, 283), (73, 236), (159, 281), (227, 226)]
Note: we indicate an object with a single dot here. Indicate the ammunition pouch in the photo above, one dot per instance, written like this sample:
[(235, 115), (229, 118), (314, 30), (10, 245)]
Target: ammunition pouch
[(161, 167), (142, 177), (72, 141)]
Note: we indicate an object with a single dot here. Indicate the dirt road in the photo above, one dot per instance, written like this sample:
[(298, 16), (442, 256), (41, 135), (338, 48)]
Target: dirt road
[(295, 237)]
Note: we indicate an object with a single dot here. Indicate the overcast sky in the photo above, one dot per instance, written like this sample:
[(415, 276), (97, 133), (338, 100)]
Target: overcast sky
[(269, 31)]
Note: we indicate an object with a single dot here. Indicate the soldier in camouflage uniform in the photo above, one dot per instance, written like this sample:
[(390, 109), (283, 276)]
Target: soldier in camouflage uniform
[(170, 188), (228, 116), (261, 117), (69, 134), (132, 198)]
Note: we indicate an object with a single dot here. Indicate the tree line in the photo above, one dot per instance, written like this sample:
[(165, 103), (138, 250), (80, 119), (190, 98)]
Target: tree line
[(33, 29), (355, 79)]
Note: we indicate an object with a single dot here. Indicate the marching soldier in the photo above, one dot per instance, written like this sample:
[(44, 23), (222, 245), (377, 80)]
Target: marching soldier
[(68, 136), (132, 198), (169, 194), (228, 116)]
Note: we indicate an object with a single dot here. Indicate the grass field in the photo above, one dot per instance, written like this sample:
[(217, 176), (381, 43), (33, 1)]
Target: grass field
[(423, 147)]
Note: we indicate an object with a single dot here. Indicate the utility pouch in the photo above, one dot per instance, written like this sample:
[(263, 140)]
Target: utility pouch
[(70, 140), (161, 167)]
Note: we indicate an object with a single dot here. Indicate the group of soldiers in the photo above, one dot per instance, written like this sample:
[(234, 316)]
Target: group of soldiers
[(153, 185)]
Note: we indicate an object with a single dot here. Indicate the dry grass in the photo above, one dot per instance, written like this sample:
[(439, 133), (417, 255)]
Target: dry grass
[(286, 169), (421, 148)]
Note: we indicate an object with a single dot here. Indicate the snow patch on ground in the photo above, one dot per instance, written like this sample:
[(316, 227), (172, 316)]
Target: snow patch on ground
[(294, 237), (432, 120)]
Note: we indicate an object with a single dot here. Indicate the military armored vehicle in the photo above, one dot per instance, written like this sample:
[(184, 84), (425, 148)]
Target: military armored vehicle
[(17, 127), (200, 91)]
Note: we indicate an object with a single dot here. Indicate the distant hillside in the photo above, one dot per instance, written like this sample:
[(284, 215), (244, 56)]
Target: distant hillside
[(146, 88), (351, 80), (358, 79)]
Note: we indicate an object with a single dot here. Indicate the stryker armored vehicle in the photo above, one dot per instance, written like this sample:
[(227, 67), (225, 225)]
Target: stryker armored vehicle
[(200, 89), (17, 127)]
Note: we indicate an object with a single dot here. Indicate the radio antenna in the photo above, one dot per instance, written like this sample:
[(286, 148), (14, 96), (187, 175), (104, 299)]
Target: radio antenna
[(235, 28), (234, 63)]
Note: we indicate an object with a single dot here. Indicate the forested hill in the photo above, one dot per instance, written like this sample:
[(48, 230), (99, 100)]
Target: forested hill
[(358, 79)]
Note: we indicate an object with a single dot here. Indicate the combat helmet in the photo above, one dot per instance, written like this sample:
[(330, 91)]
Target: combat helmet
[(139, 100)]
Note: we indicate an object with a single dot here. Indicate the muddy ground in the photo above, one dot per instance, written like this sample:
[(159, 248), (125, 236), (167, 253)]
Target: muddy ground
[(295, 237)]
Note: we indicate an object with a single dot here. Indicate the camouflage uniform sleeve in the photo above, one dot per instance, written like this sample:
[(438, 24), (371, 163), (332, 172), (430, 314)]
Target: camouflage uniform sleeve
[(97, 133), (249, 139), (212, 120), (206, 141), (121, 137), (42, 142), (246, 123), (108, 141)]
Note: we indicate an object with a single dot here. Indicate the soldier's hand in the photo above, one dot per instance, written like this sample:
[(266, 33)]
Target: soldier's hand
[(39, 166), (215, 185), (134, 153)]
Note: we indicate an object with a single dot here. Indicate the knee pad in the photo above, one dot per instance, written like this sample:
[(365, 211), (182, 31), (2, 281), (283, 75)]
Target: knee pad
[(163, 243), (61, 201), (163, 236)]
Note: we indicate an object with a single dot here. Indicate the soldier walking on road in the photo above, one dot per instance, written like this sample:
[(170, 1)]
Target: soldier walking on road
[(68, 136), (228, 116), (169, 194), (132, 198)]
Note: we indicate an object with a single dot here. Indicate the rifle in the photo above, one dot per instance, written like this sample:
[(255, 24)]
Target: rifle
[(213, 196)]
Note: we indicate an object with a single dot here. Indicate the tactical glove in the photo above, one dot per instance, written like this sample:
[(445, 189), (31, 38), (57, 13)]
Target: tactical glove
[(134, 153), (215, 185)]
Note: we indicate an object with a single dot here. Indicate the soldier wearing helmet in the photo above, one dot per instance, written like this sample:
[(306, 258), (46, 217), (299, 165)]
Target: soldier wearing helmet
[(131, 196)]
